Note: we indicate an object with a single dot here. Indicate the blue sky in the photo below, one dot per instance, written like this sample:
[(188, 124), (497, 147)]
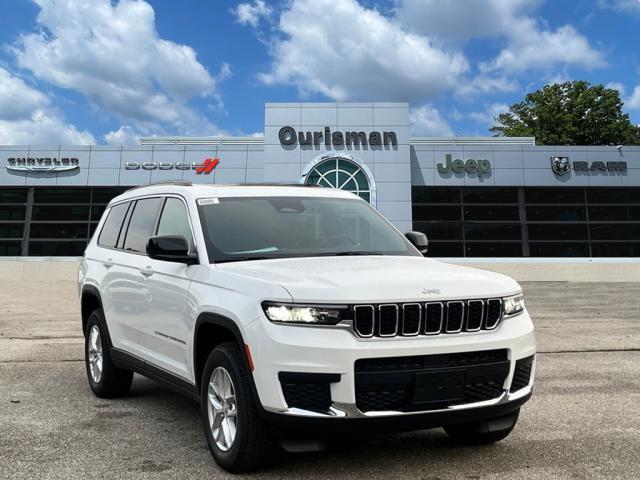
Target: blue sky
[(100, 71)]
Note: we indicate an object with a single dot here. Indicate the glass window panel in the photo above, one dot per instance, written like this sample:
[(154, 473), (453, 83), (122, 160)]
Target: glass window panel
[(491, 212), (14, 212), (67, 213), (435, 195), (58, 230), (613, 195), (111, 229), (62, 195), (615, 249), (492, 231), (175, 221), (57, 248), (613, 231), (435, 212), (493, 249), (365, 196), (445, 249), (142, 224), (440, 230), (10, 249), (347, 166), (105, 195), (554, 195), (490, 195), (621, 213), (557, 231), (561, 249), (11, 230), (557, 213), (13, 195)]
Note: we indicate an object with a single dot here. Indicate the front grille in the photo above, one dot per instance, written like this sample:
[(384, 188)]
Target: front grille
[(397, 383), (522, 373), (431, 318)]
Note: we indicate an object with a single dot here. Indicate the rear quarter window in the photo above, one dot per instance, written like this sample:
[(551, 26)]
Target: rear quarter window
[(112, 225)]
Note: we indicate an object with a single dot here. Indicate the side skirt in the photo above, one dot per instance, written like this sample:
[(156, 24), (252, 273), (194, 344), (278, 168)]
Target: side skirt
[(126, 361)]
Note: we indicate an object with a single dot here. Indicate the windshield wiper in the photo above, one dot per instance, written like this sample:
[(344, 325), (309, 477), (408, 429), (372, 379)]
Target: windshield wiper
[(242, 259), (354, 253)]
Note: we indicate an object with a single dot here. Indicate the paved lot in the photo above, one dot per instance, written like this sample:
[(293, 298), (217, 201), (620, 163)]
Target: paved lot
[(583, 421)]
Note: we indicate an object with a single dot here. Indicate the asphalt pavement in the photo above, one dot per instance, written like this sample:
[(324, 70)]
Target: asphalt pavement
[(582, 422)]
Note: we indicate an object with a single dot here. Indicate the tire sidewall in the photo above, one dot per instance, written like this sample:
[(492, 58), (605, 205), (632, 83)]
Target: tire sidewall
[(98, 387), (221, 357)]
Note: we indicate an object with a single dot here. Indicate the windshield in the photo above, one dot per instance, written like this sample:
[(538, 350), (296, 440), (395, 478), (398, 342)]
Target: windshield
[(253, 228)]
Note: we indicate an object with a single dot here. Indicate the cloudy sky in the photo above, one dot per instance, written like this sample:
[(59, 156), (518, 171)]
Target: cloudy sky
[(101, 71)]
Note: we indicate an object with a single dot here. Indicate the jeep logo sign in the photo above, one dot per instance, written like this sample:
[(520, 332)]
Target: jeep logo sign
[(470, 166)]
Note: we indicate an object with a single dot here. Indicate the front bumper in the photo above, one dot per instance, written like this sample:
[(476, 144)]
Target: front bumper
[(284, 348)]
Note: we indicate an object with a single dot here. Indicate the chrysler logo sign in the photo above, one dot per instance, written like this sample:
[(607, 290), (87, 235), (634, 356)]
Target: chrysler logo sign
[(42, 164)]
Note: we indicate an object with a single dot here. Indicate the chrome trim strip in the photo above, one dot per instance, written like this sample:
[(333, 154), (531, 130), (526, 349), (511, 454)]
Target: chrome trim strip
[(348, 410), (486, 326), (461, 319), (481, 316), (426, 314), (373, 320), (395, 332), (417, 332)]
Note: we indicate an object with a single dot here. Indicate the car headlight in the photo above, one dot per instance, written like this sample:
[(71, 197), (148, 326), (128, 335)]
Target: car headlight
[(513, 305), (303, 314)]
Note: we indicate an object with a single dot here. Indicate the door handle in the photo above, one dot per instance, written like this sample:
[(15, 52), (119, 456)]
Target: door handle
[(108, 263), (146, 271)]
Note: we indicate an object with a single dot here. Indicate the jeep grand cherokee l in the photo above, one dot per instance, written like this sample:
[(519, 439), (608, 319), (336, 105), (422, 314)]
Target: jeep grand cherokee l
[(288, 309)]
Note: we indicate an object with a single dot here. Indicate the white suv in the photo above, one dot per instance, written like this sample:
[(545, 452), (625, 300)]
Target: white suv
[(295, 313)]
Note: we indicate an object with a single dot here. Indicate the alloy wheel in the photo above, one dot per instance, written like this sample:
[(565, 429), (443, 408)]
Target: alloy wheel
[(222, 408), (94, 354)]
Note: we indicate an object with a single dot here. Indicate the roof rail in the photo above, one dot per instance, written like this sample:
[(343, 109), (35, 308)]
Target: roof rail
[(181, 183)]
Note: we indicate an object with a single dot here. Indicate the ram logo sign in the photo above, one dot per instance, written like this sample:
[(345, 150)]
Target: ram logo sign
[(560, 165)]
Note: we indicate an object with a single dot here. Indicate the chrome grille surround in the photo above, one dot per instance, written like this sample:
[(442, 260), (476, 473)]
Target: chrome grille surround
[(434, 318)]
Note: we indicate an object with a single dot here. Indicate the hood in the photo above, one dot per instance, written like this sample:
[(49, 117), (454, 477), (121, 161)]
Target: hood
[(374, 279)]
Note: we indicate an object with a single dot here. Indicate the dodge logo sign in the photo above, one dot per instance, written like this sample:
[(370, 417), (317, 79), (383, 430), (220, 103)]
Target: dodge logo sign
[(560, 165)]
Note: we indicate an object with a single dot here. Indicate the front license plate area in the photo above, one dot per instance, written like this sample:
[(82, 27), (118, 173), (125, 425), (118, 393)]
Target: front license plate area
[(439, 386)]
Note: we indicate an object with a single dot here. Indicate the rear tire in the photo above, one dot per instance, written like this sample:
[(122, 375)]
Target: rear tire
[(105, 379), (238, 438), (483, 432)]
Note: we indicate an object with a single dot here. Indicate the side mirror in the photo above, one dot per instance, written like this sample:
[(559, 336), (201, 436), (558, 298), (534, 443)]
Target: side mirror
[(170, 248), (418, 240)]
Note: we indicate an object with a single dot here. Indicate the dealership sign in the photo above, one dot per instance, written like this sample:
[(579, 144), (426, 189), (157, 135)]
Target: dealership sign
[(205, 167), (289, 137), (469, 166), (562, 166), (42, 164)]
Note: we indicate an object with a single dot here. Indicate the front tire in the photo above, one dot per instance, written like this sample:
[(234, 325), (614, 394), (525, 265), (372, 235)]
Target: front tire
[(483, 432), (105, 379), (238, 438)]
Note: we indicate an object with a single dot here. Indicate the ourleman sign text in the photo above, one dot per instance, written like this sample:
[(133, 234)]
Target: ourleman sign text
[(289, 136)]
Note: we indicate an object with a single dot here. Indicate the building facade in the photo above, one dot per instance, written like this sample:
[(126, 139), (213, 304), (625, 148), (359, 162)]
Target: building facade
[(474, 197)]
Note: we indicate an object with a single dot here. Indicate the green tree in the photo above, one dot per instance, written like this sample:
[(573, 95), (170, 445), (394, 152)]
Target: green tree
[(570, 113)]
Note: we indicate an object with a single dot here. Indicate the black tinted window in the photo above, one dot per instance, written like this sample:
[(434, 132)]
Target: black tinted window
[(111, 229), (141, 225), (175, 221)]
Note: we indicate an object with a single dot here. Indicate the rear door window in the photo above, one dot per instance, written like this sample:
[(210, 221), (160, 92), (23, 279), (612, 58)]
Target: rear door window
[(141, 225), (112, 225)]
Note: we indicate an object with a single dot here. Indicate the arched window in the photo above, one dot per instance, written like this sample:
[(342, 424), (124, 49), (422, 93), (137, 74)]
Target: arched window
[(342, 174)]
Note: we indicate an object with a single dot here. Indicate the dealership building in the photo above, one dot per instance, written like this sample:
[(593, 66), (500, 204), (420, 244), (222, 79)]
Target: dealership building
[(473, 197)]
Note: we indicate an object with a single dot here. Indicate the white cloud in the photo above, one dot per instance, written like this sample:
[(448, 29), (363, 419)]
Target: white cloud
[(616, 86), (125, 135), (251, 14), (624, 6), (488, 117), (633, 102), (26, 117), (17, 99), (427, 121), (42, 128), (484, 84), (343, 50), (113, 55)]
